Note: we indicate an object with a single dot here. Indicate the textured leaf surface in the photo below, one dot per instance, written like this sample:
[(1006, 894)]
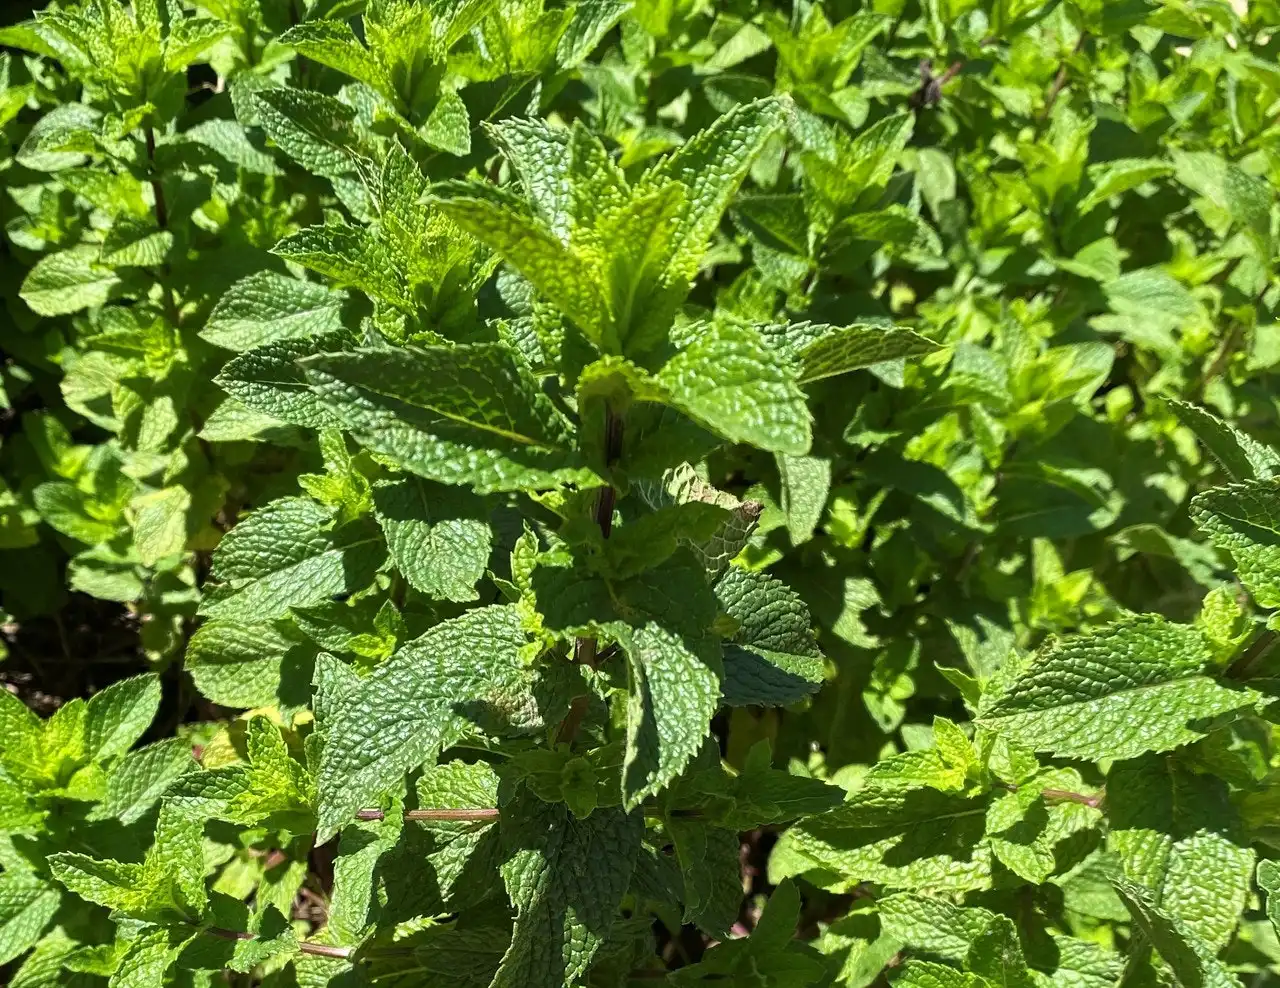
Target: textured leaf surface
[(456, 415), (805, 481), (266, 307), (1192, 963), (731, 382), (840, 350), (437, 536), (903, 838), (245, 664), (141, 778), (26, 907), (269, 381), (1177, 834), (116, 717), (566, 878), (462, 672), (773, 658), (661, 619), (1116, 693), (1244, 519), (286, 554), (67, 282)]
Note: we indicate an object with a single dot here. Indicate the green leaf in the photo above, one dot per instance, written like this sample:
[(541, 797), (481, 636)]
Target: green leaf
[(464, 674), (661, 619), (437, 536), (269, 380), (900, 837), (68, 281), (773, 658), (711, 165), (1113, 178), (455, 415), (136, 784), (1246, 198), (26, 907), (1244, 519), (1177, 834), (710, 863), (118, 716), (333, 43), (996, 955), (160, 523), (932, 924), (1116, 693), (244, 665), (315, 130), (74, 513), (736, 386), (840, 350), (1192, 963), (349, 255), (449, 126), (1242, 456), (1269, 882), (267, 307), (805, 482), (566, 878), (563, 274), (285, 555)]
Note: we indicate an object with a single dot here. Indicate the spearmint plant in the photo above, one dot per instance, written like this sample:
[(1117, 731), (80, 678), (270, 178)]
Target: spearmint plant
[(598, 493)]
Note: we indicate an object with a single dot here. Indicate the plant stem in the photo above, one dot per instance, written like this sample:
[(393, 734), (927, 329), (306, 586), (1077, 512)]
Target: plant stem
[(1060, 80), (162, 221), (454, 815), (1066, 796), (318, 949), (157, 191), (1244, 667), (585, 649)]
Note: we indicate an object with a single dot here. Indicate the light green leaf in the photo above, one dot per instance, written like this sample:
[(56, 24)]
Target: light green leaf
[(160, 523), (1242, 456), (137, 783), (449, 126), (349, 255), (266, 307), (567, 277), (805, 482), (1244, 519), (118, 716), (731, 382), (333, 43), (67, 282), (26, 907), (1127, 689)]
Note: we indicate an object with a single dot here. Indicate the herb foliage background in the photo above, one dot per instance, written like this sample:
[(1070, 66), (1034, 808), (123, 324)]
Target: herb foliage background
[(516, 494)]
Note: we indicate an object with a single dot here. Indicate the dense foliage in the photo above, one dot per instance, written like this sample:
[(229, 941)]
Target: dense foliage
[(525, 494)]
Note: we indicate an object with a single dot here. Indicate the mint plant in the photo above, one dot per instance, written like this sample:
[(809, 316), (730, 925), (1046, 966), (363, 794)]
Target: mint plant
[(590, 493)]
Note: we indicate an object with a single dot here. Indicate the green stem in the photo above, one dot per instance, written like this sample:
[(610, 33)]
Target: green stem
[(585, 650), (1247, 665), (438, 815), (307, 947)]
